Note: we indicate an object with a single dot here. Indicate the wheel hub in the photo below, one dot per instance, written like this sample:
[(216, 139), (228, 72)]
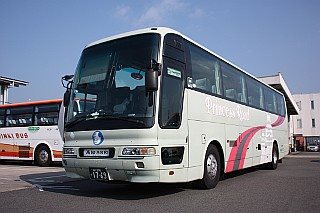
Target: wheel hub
[(212, 166), (43, 156)]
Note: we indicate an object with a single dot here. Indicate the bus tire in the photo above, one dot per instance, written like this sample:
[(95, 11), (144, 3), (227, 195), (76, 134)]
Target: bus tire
[(274, 159), (43, 156), (212, 168)]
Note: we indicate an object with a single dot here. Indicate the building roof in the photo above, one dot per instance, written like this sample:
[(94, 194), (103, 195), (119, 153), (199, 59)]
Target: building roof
[(277, 82), (12, 82)]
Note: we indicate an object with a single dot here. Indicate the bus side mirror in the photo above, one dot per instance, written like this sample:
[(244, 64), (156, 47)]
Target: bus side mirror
[(68, 79), (152, 74), (67, 94), (66, 98), (151, 80)]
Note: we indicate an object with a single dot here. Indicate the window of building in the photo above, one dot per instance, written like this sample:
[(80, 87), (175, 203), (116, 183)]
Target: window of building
[(299, 123), (312, 104), (299, 104), (313, 123)]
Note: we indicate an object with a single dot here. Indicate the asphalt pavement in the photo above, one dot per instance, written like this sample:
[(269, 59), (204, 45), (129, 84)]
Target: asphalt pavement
[(293, 187)]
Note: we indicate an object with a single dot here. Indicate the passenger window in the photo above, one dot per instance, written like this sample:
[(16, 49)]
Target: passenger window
[(19, 120), (280, 105), (19, 116), (233, 83), (2, 114), (205, 71), (270, 100), (255, 93), (46, 118), (1, 121)]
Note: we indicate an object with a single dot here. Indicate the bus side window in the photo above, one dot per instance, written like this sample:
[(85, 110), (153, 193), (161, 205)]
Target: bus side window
[(270, 100), (11, 121), (280, 105), (255, 94), (2, 114), (1, 121), (233, 83), (205, 70)]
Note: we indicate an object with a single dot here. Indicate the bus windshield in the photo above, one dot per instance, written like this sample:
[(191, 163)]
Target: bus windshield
[(109, 85)]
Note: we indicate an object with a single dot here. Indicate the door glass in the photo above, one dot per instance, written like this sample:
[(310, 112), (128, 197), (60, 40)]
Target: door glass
[(171, 95)]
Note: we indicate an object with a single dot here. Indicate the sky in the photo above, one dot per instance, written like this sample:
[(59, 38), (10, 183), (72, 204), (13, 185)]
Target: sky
[(41, 40)]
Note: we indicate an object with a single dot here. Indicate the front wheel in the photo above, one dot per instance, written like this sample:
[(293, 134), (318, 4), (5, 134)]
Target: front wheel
[(43, 156), (212, 168)]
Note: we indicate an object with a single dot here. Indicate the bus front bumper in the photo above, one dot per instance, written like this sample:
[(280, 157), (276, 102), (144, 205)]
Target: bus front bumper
[(143, 169)]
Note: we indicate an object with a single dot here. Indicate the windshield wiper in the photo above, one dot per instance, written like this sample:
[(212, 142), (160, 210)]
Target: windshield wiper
[(106, 116), (98, 115), (78, 119)]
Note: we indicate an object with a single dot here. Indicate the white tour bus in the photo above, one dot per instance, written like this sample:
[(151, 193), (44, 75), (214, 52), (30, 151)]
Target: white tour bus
[(29, 131), (162, 108)]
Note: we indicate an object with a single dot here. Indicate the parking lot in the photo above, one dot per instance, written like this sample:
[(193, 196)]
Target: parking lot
[(24, 175), (294, 186)]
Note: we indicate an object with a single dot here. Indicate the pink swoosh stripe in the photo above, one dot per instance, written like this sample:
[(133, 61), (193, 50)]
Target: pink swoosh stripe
[(235, 150)]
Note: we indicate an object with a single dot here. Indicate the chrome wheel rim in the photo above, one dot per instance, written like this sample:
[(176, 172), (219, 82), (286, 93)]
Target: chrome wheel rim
[(212, 166), (43, 156)]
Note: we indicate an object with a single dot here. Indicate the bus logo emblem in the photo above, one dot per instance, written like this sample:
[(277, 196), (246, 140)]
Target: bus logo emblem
[(97, 138)]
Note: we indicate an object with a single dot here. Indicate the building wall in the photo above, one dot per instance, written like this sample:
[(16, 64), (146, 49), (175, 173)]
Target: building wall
[(3, 93), (302, 123)]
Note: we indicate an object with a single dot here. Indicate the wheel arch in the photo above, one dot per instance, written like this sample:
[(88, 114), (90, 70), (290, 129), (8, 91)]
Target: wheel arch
[(221, 154)]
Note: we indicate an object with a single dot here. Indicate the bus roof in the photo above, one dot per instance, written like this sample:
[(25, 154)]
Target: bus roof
[(165, 30), (53, 101)]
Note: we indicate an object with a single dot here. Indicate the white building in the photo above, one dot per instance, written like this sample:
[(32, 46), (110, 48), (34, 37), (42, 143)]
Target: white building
[(306, 125)]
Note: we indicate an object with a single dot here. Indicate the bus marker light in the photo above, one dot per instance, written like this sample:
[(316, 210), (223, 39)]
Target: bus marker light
[(171, 172)]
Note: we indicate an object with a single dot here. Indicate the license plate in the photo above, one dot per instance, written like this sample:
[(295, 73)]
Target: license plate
[(98, 174), (96, 152)]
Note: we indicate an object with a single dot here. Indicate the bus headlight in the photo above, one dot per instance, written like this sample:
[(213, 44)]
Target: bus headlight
[(138, 151), (68, 151)]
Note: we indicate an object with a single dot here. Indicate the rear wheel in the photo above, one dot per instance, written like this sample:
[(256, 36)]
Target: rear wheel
[(212, 168), (275, 158), (43, 156)]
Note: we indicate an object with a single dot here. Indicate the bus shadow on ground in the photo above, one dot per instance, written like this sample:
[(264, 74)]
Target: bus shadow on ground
[(241, 172), (57, 182), (26, 163)]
